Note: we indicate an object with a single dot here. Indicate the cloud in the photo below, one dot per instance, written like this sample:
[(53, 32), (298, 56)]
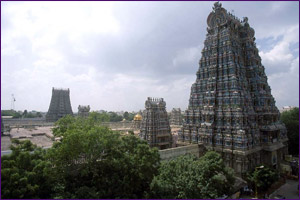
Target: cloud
[(282, 68), (187, 55), (113, 55)]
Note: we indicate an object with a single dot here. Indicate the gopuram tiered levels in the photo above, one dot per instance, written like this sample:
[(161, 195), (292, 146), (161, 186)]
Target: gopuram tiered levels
[(155, 126), (231, 109), (83, 111), (60, 105), (175, 117)]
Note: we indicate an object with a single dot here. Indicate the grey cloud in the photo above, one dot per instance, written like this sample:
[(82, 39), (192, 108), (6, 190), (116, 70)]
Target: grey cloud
[(118, 71)]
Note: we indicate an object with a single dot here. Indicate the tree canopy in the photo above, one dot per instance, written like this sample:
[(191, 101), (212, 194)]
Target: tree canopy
[(25, 173), (91, 161), (263, 178), (95, 162), (291, 121), (190, 177)]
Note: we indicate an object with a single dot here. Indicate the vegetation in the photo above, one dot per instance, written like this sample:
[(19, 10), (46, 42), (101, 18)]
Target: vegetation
[(193, 178), (25, 173), (128, 116), (262, 178), (27, 114), (11, 113), (106, 117), (291, 121), (95, 162), (92, 161), (19, 114)]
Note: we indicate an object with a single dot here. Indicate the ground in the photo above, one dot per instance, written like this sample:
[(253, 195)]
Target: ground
[(41, 136), (289, 190)]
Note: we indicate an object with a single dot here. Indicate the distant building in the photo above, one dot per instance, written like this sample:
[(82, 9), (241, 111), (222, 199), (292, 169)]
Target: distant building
[(83, 111), (286, 108), (175, 117), (60, 105), (231, 109), (155, 127)]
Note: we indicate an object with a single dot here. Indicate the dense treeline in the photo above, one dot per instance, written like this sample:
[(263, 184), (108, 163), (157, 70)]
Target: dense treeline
[(19, 114), (291, 121), (11, 113), (92, 161), (111, 116)]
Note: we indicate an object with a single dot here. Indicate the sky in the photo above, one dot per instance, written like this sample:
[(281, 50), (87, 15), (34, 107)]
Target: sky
[(113, 55)]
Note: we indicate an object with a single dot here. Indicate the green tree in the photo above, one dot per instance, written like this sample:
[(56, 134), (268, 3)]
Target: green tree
[(25, 113), (99, 117), (126, 115), (291, 121), (94, 162), (114, 117), (25, 173), (39, 115), (190, 177), (131, 116), (262, 178), (10, 113)]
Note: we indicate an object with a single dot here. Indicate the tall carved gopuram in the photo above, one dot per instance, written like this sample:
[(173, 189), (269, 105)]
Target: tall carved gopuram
[(231, 109), (60, 105), (155, 126)]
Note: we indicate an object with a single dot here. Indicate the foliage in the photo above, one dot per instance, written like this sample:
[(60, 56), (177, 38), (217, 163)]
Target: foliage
[(10, 113), (114, 117), (105, 117), (131, 116), (25, 173), (291, 121), (263, 178), (27, 114), (189, 177), (99, 117), (95, 162), (126, 115)]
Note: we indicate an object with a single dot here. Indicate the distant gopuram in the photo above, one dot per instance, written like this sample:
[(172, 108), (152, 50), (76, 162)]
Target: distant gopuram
[(60, 105), (175, 117), (83, 111), (231, 109), (155, 127)]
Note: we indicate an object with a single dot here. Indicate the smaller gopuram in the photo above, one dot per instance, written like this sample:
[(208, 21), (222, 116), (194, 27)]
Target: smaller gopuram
[(176, 118), (60, 105), (155, 126), (83, 111)]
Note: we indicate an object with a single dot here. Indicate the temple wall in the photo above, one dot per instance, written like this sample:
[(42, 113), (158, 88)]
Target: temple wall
[(118, 125), (168, 154), (27, 121)]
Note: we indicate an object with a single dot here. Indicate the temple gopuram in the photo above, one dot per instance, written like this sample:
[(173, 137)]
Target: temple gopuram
[(155, 126), (231, 109), (83, 111), (60, 105), (175, 117)]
